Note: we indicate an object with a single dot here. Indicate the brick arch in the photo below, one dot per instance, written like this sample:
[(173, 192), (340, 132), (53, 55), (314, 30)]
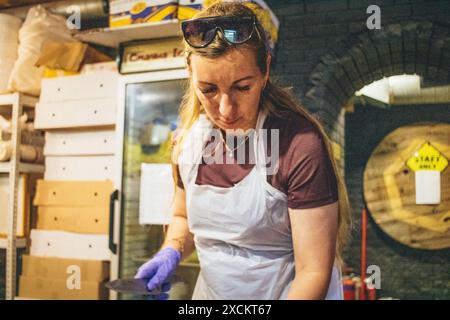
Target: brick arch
[(419, 47)]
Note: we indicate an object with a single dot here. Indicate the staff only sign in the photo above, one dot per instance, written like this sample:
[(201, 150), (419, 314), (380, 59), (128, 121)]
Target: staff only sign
[(428, 163)]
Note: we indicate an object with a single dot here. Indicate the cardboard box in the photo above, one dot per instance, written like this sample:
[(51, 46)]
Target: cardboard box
[(23, 208), (80, 168), (88, 220), (73, 193), (50, 289), (188, 8), (99, 67), (56, 73), (68, 245), (127, 12), (62, 55), (80, 143), (75, 114), (60, 269), (101, 85), (25, 298)]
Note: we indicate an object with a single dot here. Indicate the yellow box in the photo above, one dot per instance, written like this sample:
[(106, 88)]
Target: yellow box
[(73, 193), (127, 12), (90, 220), (188, 8), (56, 73)]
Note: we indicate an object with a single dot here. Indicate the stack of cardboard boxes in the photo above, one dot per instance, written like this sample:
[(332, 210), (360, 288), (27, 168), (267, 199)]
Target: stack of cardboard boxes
[(69, 251)]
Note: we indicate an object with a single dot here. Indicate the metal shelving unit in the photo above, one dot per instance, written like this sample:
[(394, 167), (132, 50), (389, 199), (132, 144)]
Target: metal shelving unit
[(14, 167)]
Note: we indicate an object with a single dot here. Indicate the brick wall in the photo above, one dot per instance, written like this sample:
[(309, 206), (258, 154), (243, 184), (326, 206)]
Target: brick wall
[(326, 53)]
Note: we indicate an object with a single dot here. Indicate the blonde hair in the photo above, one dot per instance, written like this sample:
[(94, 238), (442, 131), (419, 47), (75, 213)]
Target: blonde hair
[(275, 100)]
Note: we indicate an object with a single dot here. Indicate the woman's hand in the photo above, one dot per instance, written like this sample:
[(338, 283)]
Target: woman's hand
[(178, 245), (314, 233), (158, 270)]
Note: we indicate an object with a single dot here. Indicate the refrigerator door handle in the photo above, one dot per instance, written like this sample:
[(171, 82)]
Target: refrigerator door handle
[(112, 199)]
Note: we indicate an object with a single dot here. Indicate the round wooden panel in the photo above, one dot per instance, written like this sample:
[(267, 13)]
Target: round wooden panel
[(389, 188)]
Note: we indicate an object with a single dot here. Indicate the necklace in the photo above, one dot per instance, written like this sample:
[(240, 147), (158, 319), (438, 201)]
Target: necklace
[(231, 151)]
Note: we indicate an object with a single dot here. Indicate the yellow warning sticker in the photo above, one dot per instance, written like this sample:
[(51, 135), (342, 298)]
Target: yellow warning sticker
[(427, 158)]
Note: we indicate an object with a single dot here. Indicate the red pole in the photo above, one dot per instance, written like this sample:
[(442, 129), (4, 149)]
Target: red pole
[(362, 294)]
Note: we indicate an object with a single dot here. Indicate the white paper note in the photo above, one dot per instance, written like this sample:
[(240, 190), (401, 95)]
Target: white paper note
[(428, 187), (156, 194)]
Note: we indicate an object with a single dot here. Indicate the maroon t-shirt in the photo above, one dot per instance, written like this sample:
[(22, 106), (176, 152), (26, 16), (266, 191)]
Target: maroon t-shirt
[(304, 174)]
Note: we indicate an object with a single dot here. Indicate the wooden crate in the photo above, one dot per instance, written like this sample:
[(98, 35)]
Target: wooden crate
[(389, 188)]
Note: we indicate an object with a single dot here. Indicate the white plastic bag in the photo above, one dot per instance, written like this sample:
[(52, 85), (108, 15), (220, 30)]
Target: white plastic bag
[(39, 26), (10, 26), (28, 153), (5, 124), (9, 43)]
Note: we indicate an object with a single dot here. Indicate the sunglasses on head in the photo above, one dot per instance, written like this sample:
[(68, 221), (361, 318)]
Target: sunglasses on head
[(199, 33)]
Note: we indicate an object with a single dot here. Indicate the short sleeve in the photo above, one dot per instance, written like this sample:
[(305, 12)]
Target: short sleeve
[(311, 181)]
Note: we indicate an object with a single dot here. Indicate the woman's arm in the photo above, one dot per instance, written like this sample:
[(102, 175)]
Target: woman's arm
[(178, 235), (314, 234)]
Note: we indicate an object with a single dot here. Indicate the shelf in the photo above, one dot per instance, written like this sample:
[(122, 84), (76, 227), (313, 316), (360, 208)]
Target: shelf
[(20, 243), (16, 102), (23, 167), (112, 37), (11, 98)]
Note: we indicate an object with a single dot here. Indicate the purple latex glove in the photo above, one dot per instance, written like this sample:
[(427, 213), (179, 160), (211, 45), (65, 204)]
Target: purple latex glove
[(164, 295), (159, 268)]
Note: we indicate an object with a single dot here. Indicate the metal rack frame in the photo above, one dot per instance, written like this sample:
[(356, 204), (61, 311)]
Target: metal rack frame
[(16, 101)]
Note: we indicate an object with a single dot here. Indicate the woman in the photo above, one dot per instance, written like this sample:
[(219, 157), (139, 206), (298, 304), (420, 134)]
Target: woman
[(258, 234)]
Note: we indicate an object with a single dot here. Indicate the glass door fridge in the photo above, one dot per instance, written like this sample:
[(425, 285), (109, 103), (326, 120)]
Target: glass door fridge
[(148, 114)]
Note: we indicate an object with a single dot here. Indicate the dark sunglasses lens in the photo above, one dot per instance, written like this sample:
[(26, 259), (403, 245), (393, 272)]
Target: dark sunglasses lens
[(237, 30), (198, 32)]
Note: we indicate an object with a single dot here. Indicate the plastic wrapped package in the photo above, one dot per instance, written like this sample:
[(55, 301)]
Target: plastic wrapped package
[(5, 124), (10, 26), (4, 79), (27, 127), (6, 66), (28, 153), (8, 53), (32, 142), (9, 42), (67, 58), (39, 26), (35, 138)]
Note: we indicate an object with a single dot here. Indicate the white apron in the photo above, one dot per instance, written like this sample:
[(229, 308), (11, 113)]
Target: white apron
[(242, 234)]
